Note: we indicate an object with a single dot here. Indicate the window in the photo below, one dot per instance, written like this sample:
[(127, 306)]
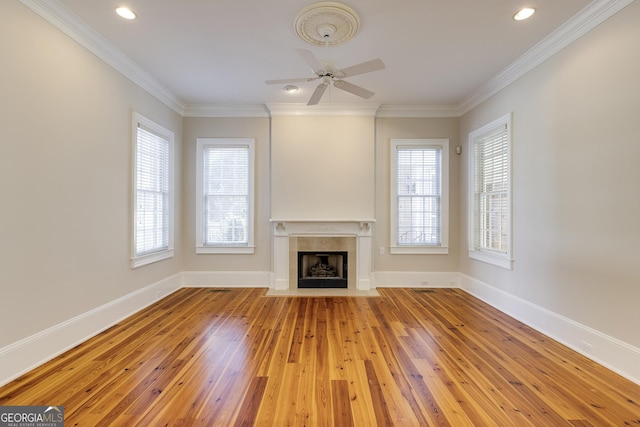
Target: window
[(490, 198), (419, 196), (225, 196), (153, 192)]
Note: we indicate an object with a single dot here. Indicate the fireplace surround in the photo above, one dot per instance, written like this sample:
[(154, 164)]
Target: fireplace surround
[(351, 236)]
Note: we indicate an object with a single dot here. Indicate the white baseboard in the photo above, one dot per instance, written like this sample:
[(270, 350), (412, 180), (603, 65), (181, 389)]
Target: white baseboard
[(609, 352), (226, 279), (415, 279), (28, 353)]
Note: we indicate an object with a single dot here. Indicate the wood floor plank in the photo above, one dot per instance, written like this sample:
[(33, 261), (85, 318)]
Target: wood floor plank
[(491, 363), (379, 403), (236, 357), (568, 403), (342, 414)]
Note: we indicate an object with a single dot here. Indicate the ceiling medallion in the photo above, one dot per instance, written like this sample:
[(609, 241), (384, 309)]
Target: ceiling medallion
[(327, 24)]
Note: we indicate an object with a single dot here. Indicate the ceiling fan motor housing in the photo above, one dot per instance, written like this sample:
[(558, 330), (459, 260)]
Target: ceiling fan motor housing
[(326, 31)]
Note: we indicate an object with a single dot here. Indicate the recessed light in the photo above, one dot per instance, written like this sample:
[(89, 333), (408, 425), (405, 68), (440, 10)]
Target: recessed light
[(524, 13), (125, 12), (291, 88)]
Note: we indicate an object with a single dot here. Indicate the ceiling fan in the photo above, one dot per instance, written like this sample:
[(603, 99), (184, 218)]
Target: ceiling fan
[(329, 75)]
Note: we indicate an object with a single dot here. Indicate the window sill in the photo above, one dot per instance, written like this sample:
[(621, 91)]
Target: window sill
[(499, 261), (151, 258), (238, 250), (418, 250)]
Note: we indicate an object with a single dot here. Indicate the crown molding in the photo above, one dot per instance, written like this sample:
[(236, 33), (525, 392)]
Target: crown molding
[(206, 110), (64, 20), (584, 21), (591, 16), (294, 109), (284, 109), (417, 111)]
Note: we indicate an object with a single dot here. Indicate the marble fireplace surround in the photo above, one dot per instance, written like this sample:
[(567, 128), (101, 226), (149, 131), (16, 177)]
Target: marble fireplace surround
[(290, 236)]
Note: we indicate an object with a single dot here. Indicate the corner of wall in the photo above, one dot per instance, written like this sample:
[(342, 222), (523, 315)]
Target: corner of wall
[(618, 356), (28, 353)]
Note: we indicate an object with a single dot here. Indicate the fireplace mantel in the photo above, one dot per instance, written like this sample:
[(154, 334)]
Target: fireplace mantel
[(337, 227), (283, 229)]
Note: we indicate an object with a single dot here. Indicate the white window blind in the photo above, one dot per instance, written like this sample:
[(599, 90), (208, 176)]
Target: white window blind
[(152, 192), (490, 225), (419, 196), (419, 171), (491, 191), (226, 194)]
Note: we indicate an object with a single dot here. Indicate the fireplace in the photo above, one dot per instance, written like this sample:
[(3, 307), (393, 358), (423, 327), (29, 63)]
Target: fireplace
[(293, 236), (322, 269)]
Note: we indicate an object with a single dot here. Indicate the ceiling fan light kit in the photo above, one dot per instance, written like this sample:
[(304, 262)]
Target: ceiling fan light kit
[(329, 24), (328, 76)]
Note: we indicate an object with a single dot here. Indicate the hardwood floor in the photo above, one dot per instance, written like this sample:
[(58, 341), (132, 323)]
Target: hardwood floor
[(410, 358)]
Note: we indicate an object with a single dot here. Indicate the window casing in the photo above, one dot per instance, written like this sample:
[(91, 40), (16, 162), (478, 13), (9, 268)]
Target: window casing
[(419, 196), (490, 193), (153, 159), (225, 196)]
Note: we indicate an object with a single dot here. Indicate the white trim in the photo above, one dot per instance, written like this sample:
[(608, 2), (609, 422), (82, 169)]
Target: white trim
[(151, 258), (504, 260), (238, 250), (292, 109), (609, 352), (225, 279), (363, 224), (591, 16), (416, 279), (489, 258), (417, 111), (201, 248), (64, 20), (28, 353), (584, 21), (24, 355), (443, 145), (140, 260), (418, 250), (196, 110), (284, 229)]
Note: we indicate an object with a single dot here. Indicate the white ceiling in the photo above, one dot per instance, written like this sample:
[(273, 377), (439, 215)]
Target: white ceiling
[(220, 52)]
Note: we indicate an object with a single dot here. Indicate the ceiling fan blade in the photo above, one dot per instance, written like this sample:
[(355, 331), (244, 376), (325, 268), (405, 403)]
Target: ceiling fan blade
[(294, 80), (365, 67), (354, 89), (317, 94), (311, 60)]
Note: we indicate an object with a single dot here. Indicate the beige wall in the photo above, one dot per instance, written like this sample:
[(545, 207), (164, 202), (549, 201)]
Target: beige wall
[(323, 167), (65, 181), (576, 192), (258, 129), (65, 177), (392, 128)]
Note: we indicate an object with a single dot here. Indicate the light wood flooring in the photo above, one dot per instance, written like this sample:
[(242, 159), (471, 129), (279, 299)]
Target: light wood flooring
[(218, 357)]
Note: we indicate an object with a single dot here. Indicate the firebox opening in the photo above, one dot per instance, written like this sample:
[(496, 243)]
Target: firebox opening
[(322, 269)]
